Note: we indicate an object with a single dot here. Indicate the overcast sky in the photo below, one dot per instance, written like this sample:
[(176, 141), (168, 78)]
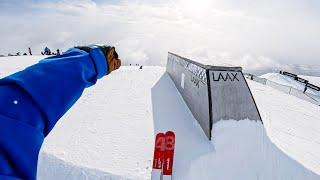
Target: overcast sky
[(249, 33)]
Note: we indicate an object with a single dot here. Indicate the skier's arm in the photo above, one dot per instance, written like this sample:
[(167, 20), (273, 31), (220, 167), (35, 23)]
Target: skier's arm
[(33, 100)]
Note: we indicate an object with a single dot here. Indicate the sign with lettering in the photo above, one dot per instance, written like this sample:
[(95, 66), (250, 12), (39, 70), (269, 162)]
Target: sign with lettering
[(195, 81), (193, 68), (190, 79), (225, 76), (197, 71)]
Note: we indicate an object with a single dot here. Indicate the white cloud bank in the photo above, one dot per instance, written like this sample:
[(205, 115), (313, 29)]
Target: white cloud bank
[(259, 35)]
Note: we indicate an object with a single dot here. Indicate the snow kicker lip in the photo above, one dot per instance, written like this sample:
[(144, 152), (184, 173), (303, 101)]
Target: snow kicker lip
[(212, 93), (53, 167)]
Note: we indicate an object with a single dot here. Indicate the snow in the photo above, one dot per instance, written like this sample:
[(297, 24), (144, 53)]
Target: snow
[(284, 80), (109, 133), (291, 123), (12, 64), (287, 81), (242, 150), (114, 131), (312, 79), (286, 146)]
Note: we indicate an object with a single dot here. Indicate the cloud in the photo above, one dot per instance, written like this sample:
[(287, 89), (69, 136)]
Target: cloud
[(255, 34)]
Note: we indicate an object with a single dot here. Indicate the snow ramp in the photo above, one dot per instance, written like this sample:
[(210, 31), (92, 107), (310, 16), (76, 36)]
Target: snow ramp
[(286, 146), (212, 93)]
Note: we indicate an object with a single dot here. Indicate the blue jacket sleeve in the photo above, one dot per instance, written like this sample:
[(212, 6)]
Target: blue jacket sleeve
[(33, 100)]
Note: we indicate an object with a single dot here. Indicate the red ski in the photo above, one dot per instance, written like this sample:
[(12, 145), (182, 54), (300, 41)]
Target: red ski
[(168, 155), (159, 149)]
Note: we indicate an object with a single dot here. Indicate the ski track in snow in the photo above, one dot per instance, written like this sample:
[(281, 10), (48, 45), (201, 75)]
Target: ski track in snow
[(109, 133)]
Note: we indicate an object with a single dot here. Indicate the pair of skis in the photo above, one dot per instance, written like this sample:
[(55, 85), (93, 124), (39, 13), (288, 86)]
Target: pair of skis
[(163, 156)]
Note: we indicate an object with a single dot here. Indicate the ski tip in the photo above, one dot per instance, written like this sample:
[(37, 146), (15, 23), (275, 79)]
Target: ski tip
[(170, 133), (160, 134)]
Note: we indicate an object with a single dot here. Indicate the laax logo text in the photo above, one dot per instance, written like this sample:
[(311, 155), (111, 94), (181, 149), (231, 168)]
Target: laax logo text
[(225, 76)]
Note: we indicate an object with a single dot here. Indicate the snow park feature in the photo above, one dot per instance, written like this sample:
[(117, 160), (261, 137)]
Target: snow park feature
[(110, 133), (286, 84), (212, 93), (301, 80)]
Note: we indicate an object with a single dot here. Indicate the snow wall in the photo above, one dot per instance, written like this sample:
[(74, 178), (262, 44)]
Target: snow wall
[(212, 93)]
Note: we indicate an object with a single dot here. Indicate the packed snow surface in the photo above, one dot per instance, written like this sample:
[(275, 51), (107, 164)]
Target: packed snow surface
[(288, 81), (109, 133), (312, 79)]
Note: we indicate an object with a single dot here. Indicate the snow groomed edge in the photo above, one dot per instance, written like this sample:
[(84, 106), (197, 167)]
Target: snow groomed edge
[(212, 93)]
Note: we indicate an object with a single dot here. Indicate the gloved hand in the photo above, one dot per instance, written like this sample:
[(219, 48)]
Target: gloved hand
[(110, 54)]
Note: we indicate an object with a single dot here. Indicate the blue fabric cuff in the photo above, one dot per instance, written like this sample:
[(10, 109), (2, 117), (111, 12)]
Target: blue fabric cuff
[(100, 62)]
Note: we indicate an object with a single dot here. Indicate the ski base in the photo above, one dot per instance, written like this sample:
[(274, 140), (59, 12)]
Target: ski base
[(167, 177), (156, 174)]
